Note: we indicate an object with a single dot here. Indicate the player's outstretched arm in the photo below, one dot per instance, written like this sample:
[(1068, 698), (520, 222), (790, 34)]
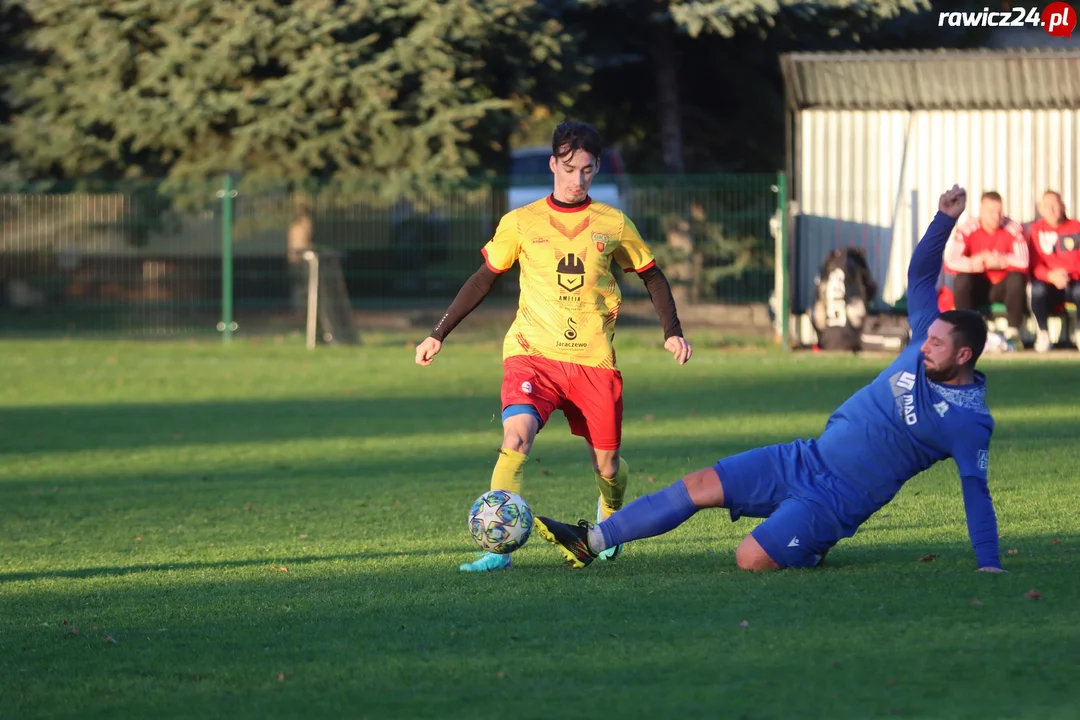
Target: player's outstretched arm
[(925, 266), (471, 294), (981, 522), (971, 452), (664, 304)]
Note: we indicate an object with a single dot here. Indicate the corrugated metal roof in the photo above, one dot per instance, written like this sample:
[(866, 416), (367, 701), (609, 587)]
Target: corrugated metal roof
[(933, 80)]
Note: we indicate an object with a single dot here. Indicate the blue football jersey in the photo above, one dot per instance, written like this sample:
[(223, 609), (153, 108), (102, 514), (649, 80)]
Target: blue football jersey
[(903, 423), (898, 426)]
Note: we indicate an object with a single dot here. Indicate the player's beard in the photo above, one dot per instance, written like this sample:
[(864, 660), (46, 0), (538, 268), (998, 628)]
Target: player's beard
[(943, 374)]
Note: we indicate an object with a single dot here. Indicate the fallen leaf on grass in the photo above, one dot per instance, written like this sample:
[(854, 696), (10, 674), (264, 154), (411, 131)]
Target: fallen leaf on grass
[(249, 506), (652, 479), (499, 675), (928, 558), (1013, 551), (138, 538), (744, 624), (649, 417), (976, 602), (73, 632), (281, 677), (1055, 541), (303, 536), (283, 569), (397, 502), (64, 622), (1034, 595), (111, 639)]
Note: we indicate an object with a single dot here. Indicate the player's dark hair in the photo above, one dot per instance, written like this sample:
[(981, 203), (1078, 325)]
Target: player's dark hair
[(991, 195), (968, 330), (572, 135)]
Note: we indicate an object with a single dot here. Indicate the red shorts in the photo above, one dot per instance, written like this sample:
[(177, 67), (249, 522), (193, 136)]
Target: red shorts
[(590, 397)]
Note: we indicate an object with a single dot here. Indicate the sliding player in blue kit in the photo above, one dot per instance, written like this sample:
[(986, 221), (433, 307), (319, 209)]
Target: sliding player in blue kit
[(928, 405)]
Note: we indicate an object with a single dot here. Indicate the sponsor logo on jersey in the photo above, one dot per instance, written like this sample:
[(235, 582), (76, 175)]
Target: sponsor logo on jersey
[(902, 384), (570, 273)]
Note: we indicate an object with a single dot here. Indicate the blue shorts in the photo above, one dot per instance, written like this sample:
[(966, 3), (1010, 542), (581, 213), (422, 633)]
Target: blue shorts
[(789, 485)]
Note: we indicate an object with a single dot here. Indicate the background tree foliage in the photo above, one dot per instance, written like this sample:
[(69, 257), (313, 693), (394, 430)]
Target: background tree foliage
[(695, 85), (396, 91), (412, 92)]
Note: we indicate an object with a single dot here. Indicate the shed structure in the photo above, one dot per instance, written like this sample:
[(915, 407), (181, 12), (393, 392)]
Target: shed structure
[(875, 137)]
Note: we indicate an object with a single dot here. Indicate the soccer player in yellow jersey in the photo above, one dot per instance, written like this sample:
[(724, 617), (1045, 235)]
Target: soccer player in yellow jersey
[(558, 353)]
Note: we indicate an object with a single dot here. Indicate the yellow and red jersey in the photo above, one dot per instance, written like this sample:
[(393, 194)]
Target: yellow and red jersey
[(569, 296)]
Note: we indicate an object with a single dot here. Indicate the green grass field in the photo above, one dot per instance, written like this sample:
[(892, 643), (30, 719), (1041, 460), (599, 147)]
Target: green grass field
[(188, 530)]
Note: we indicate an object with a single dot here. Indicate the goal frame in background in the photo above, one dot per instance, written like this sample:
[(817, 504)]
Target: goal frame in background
[(339, 329)]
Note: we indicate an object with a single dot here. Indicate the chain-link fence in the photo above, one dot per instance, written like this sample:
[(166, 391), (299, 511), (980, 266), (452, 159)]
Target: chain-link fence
[(154, 260)]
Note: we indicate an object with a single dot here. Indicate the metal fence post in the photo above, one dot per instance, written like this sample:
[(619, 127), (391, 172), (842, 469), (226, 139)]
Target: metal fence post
[(785, 280), (227, 195)]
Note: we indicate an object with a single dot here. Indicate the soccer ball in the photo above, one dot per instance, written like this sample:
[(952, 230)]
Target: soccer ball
[(500, 521)]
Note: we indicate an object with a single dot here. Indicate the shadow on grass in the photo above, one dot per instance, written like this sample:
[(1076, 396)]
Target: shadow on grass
[(276, 560), (687, 632), (786, 390)]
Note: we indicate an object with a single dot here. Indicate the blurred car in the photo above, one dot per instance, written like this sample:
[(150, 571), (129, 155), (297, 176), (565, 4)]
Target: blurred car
[(530, 178)]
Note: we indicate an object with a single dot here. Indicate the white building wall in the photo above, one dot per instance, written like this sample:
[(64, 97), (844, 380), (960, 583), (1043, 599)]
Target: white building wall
[(872, 179)]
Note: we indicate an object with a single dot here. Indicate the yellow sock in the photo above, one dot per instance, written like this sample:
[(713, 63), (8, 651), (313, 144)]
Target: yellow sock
[(508, 471), (613, 490)]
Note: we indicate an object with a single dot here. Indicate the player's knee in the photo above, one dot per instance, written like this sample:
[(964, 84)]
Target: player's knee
[(519, 431), (705, 488), (750, 556), (519, 442)]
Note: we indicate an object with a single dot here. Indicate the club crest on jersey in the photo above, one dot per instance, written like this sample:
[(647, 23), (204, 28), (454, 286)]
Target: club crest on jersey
[(1069, 243), (600, 240), (942, 408)]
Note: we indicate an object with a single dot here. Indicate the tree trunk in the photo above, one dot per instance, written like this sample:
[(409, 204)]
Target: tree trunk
[(667, 99)]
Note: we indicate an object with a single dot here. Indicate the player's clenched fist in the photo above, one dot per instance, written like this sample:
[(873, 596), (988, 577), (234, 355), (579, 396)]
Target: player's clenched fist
[(678, 347), (427, 350), (953, 201)]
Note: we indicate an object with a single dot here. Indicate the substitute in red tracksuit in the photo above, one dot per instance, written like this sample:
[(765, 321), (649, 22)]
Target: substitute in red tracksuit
[(986, 261), (1054, 241)]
